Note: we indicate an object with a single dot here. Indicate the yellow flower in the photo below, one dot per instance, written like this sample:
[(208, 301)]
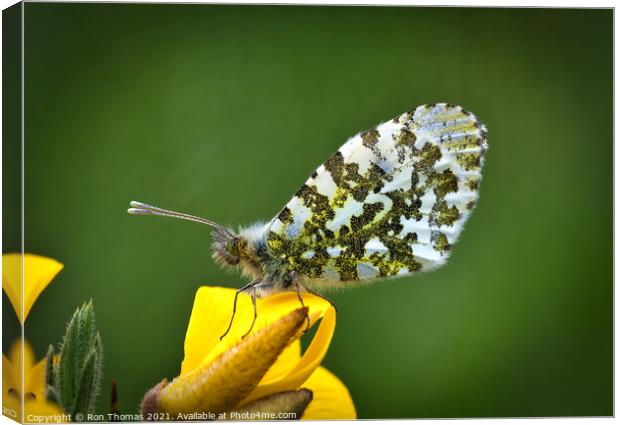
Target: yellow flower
[(36, 407), (263, 373), (38, 273)]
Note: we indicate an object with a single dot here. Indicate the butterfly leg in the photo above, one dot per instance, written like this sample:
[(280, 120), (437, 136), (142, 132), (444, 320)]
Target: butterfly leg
[(249, 285), (324, 297), (301, 300), (255, 313)]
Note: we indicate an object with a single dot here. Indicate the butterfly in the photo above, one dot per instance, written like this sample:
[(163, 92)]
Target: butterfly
[(392, 201)]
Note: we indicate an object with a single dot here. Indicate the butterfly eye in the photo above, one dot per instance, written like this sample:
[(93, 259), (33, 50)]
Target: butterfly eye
[(232, 246)]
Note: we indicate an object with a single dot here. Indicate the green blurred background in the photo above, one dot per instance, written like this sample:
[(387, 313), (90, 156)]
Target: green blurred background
[(223, 111)]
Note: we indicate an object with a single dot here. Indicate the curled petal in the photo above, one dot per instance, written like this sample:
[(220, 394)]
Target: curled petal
[(204, 351), (38, 273), (331, 398), (211, 314), (285, 363), (310, 360), (220, 384), (212, 311)]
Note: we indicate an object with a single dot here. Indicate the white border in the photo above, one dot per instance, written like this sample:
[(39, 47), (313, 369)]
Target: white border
[(458, 3)]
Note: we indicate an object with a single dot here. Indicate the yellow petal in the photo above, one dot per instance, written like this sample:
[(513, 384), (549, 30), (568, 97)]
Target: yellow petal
[(287, 360), (35, 380), (16, 354), (39, 409), (210, 317), (310, 360), (219, 385), (7, 374), (11, 377), (12, 367), (34, 374), (331, 398), (212, 312), (12, 281), (206, 324), (38, 273)]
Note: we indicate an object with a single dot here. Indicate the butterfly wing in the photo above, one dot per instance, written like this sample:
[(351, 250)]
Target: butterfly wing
[(391, 201)]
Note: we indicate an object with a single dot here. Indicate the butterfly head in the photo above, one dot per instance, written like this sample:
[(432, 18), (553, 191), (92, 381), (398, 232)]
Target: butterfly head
[(228, 248), (244, 249)]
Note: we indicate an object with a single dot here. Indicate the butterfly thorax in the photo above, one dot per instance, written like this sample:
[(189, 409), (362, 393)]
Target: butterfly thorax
[(247, 250)]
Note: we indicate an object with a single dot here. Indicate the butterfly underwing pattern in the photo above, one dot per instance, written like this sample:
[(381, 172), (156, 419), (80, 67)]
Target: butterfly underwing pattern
[(391, 201)]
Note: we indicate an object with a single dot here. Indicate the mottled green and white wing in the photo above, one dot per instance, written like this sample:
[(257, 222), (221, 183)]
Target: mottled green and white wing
[(391, 201)]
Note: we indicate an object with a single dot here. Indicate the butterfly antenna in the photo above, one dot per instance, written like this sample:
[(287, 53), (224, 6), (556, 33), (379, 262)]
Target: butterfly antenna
[(139, 208)]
